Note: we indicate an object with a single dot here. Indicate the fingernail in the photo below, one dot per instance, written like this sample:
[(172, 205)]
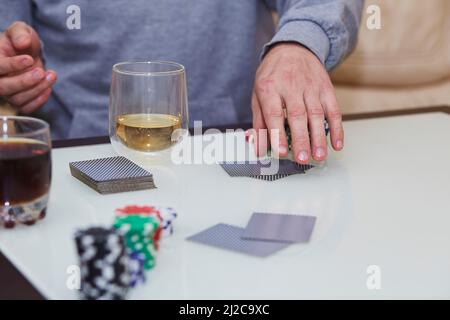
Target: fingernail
[(49, 77), (302, 156), (320, 153), (38, 74), (339, 144), (282, 149), (26, 62), (20, 39)]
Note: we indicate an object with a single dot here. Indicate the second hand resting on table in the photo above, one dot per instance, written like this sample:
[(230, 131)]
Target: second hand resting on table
[(290, 77)]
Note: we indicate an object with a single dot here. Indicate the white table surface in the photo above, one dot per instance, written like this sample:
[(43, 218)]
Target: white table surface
[(384, 200)]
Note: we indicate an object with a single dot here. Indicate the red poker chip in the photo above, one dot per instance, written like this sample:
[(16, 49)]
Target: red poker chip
[(140, 210)]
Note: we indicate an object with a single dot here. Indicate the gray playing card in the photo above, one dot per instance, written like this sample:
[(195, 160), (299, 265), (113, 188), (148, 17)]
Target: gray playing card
[(229, 237), (272, 177), (112, 175), (284, 228), (256, 168), (109, 169)]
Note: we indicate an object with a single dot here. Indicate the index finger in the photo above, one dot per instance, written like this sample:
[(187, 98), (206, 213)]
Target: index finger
[(13, 64), (272, 108), (260, 137)]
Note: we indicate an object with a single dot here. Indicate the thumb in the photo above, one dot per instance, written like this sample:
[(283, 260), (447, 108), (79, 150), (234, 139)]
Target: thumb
[(24, 39)]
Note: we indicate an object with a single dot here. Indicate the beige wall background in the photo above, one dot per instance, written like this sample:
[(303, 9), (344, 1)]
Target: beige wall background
[(403, 65)]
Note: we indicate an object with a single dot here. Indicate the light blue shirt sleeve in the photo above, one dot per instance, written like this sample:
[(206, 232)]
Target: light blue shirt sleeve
[(328, 28)]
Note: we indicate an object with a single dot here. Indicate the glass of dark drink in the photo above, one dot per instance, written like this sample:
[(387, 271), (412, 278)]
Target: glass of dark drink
[(25, 170)]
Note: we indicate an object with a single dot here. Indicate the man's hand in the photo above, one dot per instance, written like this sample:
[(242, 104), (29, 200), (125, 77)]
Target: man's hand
[(291, 77), (23, 81)]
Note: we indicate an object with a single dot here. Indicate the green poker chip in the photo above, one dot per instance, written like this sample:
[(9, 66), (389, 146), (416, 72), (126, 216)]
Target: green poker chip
[(137, 224), (138, 232)]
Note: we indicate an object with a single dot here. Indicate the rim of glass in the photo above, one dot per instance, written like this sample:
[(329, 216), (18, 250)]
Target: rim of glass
[(179, 70), (45, 126)]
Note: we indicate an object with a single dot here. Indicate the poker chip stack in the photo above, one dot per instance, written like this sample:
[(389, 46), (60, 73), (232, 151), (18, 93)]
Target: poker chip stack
[(113, 260), (165, 216), (142, 228), (139, 233), (103, 264)]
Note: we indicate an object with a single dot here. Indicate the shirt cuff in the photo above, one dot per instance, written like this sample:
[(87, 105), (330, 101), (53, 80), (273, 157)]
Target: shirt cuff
[(305, 32)]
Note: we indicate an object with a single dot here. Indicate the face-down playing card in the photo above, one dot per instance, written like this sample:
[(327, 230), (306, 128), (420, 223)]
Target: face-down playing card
[(284, 228), (113, 174), (274, 167), (110, 169), (230, 237), (272, 177)]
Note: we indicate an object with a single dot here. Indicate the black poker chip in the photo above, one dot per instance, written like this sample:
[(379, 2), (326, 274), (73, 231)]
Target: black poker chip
[(103, 264)]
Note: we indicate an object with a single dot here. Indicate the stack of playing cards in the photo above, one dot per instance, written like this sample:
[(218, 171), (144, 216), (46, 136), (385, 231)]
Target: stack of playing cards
[(266, 233), (270, 170), (112, 175)]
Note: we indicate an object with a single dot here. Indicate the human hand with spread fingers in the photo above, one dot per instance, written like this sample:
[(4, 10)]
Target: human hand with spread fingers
[(291, 81)]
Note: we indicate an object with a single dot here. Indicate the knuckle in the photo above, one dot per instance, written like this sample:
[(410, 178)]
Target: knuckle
[(3, 66), (309, 82), (31, 105), (301, 140), (328, 87), (24, 81), (5, 89), (276, 113), (264, 84), (13, 64), (296, 113), (315, 112), (41, 88), (337, 127), (288, 76), (319, 139), (334, 114), (15, 101)]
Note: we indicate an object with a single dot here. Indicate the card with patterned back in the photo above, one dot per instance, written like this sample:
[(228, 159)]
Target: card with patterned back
[(228, 237), (112, 175), (272, 177), (109, 169), (279, 227), (257, 168)]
